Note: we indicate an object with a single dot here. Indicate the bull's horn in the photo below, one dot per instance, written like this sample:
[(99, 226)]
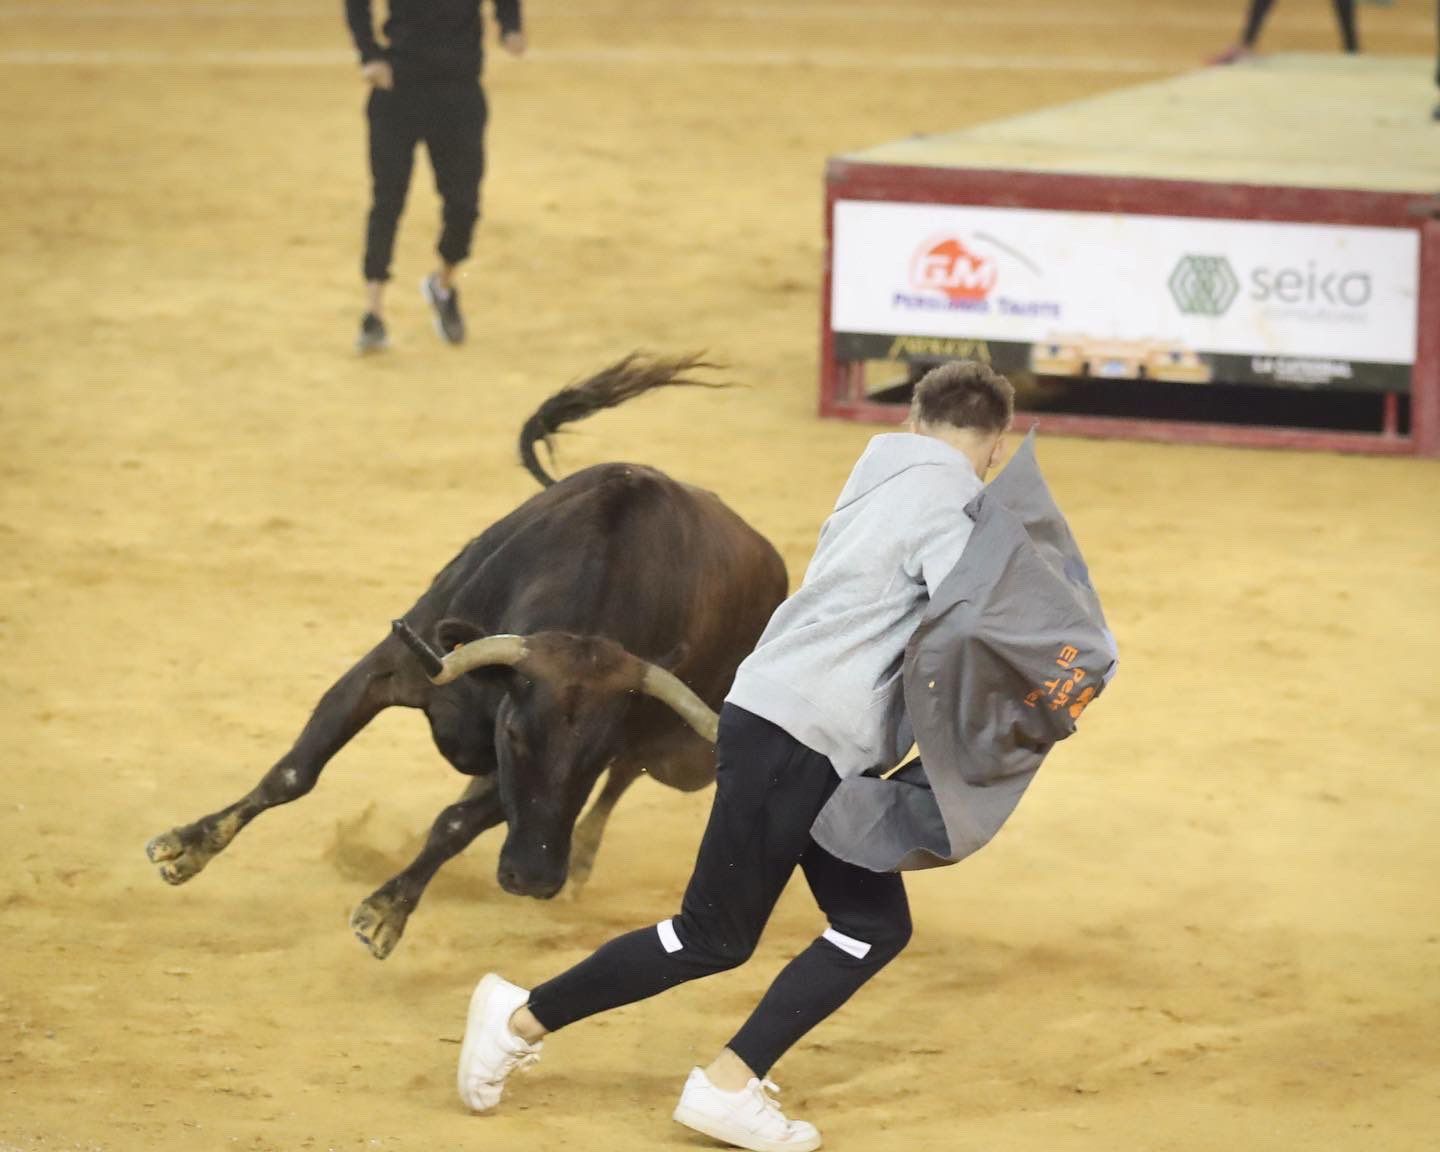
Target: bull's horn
[(483, 653), (669, 689)]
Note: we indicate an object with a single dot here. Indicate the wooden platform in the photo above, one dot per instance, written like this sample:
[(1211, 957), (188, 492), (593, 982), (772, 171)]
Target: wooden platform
[(1296, 120), (1345, 146)]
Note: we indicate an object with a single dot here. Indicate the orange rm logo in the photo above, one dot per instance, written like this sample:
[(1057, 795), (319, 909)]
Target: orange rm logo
[(947, 266)]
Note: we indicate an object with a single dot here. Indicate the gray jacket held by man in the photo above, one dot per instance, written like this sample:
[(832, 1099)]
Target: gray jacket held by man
[(1011, 649)]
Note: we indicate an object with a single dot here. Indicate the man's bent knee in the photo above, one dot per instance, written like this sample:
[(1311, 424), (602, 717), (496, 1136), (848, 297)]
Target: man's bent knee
[(876, 945), (714, 951)]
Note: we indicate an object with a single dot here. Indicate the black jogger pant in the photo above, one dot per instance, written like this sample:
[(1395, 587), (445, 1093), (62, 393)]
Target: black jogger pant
[(449, 118), (768, 790), (1344, 16)]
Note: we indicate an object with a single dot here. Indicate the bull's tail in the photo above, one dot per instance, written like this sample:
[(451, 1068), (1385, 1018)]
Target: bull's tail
[(608, 388)]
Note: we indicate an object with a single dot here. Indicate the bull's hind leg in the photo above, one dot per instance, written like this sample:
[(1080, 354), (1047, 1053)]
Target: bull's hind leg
[(590, 830), (386, 676), (379, 921)]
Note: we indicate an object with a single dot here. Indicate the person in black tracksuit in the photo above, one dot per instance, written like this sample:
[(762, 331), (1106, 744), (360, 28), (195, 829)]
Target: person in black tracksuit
[(1255, 20), (425, 86)]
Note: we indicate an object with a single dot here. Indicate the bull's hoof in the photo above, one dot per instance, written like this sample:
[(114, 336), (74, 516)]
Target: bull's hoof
[(179, 861), (575, 883), (379, 922)]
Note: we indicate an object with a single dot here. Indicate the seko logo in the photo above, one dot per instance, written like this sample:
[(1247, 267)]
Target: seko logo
[(1208, 286), (1204, 285), (1311, 287), (949, 267)]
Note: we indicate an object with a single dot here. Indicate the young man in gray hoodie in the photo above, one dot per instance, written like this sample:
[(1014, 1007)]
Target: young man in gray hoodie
[(819, 700)]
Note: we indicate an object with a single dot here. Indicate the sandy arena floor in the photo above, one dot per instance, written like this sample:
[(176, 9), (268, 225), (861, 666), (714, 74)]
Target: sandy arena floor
[(1212, 925)]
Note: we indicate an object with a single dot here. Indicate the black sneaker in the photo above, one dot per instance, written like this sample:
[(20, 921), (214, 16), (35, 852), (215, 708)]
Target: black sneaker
[(372, 336), (446, 306)]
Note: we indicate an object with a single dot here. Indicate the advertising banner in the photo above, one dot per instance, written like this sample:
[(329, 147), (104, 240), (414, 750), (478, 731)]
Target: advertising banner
[(1129, 297)]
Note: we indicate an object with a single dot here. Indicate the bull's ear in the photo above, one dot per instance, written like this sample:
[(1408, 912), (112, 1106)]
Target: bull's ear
[(675, 657), (452, 632)]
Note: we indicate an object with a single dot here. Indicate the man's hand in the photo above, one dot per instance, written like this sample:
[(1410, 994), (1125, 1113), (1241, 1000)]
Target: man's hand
[(513, 43), (378, 74)]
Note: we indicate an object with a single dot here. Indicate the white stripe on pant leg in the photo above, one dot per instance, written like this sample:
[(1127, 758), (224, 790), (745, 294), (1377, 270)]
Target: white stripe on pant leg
[(857, 948), (668, 939)]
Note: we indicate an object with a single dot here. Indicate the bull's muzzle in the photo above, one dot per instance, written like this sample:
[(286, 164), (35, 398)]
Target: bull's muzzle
[(523, 882)]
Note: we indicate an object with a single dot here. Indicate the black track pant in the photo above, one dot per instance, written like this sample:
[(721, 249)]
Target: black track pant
[(1344, 14), (768, 791), (450, 119)]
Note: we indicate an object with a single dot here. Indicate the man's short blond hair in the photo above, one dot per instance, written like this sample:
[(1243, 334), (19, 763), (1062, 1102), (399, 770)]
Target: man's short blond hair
[(964, 394)]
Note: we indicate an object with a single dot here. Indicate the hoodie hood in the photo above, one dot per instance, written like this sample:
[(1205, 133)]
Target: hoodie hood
[(889, 455)]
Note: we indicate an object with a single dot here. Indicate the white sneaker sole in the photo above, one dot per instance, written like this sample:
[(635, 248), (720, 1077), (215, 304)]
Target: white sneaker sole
[(478, 1000), (717, 1129)]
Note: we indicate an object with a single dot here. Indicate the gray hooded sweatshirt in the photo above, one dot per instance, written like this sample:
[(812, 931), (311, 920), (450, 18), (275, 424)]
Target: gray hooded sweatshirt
[(828, 668)]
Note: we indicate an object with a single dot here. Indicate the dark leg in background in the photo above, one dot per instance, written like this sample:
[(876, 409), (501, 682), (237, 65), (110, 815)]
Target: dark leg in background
[(1255, 21)]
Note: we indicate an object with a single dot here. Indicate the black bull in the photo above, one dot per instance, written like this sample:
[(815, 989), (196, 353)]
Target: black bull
[(585, 595)]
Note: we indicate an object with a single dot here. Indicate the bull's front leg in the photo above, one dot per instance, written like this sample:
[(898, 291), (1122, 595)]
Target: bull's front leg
[(674, 756), (384, 677), (591, 829), (379, 921)]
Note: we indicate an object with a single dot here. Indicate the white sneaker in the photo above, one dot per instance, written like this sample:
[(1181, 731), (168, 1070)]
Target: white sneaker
[(747, 1119), (491, 1051)]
